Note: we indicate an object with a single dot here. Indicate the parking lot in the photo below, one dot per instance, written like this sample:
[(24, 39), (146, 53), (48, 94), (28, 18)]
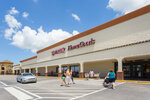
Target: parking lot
[(50, 89)]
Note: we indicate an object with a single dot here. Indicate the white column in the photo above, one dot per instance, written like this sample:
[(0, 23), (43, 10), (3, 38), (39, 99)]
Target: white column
[(24, 70), (60, 70), (29, 70), (81, 67), (20, 70), (120, 74), (46, 69), (68, 66), (36, 70), (13, 71), (119, 64)]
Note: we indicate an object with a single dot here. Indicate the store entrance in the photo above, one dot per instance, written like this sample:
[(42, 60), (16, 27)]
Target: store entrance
[(64, 68), (137, 70), (75, 71)]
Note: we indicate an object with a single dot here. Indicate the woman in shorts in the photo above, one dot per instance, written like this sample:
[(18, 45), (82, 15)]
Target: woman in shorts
[(63, 79), (68, 78), (111, 76)]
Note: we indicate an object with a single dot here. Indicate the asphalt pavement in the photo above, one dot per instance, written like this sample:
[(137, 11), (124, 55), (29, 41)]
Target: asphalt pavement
[(49, 89)]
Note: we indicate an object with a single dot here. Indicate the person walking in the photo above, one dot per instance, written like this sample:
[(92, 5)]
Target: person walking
[(111, 76), (68, 78), (63, 79), (71, 73), (91, 74)]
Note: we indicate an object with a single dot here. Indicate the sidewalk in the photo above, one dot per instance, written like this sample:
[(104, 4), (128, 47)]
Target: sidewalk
[(133, 81), (129, 81)]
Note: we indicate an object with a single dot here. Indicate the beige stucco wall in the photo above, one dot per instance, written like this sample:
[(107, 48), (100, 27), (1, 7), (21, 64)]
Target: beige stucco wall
[(22, 70), (33, 71), (99, 67), (6, 67), (131, 31), (32, 61), (52, 68), (41, 70), (128, 51)]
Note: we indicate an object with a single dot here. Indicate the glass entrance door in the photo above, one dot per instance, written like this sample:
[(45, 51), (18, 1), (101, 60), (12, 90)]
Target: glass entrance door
[(64, 68), (146, 71), (127, 71), (75, 71), (138, 70)]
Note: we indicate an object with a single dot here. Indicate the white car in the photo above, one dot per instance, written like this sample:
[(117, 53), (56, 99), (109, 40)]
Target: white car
[(26, 77)]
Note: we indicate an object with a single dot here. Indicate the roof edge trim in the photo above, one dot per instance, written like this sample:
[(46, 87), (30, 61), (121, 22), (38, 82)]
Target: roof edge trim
[(28, 59)]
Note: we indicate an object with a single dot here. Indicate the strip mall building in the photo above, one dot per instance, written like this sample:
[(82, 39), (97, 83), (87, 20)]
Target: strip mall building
[(122, 44)]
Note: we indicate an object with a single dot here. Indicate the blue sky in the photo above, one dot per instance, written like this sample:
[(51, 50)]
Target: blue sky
[(30, 25)]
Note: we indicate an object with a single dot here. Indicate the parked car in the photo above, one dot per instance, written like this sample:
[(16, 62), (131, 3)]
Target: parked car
[(26, 77)]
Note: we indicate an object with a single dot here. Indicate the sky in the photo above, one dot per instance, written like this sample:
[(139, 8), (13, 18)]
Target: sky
[(27, 26)]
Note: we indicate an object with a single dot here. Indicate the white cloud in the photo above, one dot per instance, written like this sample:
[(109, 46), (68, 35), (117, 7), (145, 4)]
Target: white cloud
[(126, 6), (75, 32), (25, 14), (34, 40), (30, 39), (76, 17), (8, 33), (12, 22), (13, 11)]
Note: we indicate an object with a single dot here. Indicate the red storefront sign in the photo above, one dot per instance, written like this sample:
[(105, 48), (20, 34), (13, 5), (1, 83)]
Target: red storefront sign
[(62, 50), (71, 47), (81, 44)]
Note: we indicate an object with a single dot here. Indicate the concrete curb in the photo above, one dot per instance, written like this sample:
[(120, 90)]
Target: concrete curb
[(130, 81)]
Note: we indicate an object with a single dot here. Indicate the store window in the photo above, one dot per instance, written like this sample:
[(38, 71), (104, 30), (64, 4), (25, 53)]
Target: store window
[(75, 71), (64, 68), (9, 66), (137, 70), (3, 67)]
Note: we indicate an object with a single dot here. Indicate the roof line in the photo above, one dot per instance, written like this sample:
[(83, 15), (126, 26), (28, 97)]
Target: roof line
[(29, 59), (6, 63), (118, 20)]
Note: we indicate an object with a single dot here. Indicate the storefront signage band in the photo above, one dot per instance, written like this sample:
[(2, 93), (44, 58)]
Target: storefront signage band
[(72, 47)]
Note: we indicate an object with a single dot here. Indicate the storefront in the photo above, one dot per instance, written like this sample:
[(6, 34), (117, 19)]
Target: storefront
[(16, 69), (74, 68), (122, 44), (138, 70)]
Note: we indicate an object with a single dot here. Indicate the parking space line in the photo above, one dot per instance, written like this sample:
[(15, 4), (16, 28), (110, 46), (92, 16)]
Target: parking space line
[(69, 94), (27, 92), (92, 92), (54, 98), (18, 94), (3, 83), (88, 94)]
